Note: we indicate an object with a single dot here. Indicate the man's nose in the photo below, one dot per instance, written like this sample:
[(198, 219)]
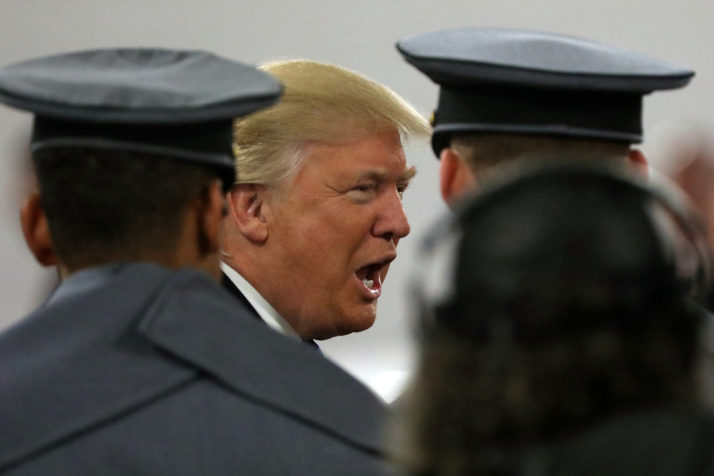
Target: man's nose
[(392, 223)]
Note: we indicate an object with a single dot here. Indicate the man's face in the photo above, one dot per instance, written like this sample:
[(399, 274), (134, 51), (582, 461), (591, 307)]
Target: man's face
[(334, 227)]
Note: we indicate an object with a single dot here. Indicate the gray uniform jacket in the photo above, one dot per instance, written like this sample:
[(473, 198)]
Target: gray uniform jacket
[(137, 369)]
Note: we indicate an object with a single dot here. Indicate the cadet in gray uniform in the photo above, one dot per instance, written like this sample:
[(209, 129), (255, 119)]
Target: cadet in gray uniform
[(514, 95), (140, 362), (560, 332)]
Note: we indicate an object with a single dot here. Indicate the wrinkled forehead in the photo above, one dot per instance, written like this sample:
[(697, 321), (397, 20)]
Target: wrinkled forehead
[(370, 147), (378, 156)]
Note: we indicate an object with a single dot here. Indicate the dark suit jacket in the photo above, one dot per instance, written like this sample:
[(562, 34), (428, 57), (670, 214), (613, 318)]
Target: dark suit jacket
[(153, 371), (233, 289)]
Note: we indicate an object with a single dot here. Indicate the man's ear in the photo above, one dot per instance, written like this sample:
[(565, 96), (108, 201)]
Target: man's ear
[(36, 230), (638, 161), (245, 204), (455, 176), (210, 214)]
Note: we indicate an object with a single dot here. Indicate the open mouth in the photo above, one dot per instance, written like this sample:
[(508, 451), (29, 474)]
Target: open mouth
[(371, 276)]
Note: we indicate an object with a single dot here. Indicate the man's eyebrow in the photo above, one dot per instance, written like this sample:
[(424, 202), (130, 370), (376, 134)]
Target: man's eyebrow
[(408, 174), (381, 176)]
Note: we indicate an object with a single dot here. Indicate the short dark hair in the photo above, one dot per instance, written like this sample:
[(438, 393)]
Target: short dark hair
[(111, 205), (483, 150)]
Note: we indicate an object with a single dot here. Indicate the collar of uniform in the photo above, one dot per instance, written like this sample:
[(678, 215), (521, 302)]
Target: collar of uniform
[(228, 343), (77, 360), (83, 281), (265, 311), (176, 326)]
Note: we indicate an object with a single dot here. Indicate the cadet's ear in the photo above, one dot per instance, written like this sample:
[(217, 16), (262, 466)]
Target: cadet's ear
[(245, 203), (210, 216), (455, 176), (638, 161), (36, 230)]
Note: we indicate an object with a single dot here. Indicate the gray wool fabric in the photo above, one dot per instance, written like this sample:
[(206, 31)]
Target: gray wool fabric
[(173, 103), (527, 82)]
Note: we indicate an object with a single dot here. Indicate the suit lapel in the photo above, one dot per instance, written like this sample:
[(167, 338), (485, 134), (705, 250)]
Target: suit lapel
[(233, 289), (229, 286)]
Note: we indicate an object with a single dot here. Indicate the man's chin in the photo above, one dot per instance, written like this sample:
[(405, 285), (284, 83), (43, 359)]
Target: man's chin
[(361, 322), (349, 324)]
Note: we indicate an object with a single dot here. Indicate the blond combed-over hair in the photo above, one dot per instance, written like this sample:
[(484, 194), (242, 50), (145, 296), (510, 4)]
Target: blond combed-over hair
[(321, 103)]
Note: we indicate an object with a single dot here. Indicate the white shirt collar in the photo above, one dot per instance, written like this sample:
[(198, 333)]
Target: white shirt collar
[(266, 312)]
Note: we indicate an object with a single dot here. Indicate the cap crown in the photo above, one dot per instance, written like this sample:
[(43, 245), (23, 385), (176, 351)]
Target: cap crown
[(524, 82), (174, 103), (541, 59), (137, 86)]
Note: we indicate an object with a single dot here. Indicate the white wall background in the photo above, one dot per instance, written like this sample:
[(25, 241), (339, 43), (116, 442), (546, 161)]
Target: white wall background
[(356, 34)]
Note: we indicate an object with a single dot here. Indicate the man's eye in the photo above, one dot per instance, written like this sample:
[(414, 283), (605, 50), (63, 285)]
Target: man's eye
[(362, 192), (401, 188), (368, 187)]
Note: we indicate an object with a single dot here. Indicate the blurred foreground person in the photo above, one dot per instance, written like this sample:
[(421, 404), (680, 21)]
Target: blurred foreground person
[(560, 334), (316, 213), (515, 95), (683, 150), (140, 362)]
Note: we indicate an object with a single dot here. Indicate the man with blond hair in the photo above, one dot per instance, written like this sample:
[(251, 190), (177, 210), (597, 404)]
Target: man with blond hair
[(314, 220), (316, 212)]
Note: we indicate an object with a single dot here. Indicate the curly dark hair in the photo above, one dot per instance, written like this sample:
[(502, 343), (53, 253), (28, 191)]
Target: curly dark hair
[(567, 308), (507, 392)]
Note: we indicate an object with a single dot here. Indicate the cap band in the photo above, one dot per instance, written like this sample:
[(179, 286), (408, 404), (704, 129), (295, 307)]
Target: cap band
[(614, 116), (205, 143)]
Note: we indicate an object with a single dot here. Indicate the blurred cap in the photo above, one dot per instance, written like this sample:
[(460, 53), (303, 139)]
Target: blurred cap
[(159, 101), (584, 244), (514, 81)]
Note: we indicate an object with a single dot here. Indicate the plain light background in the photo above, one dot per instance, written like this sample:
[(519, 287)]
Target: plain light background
[(356, 34)]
